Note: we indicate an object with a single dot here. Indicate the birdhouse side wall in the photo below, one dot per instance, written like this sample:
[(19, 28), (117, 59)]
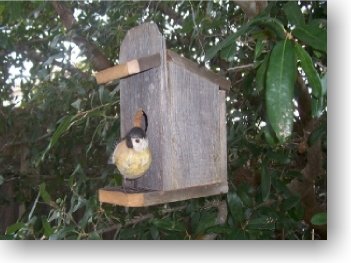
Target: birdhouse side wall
[(192, 147)]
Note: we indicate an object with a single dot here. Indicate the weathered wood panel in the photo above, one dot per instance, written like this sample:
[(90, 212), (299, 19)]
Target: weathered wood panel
[(186, 112), (193, 147), (191, 66), (222, 136), (119, 197), (144, 90)]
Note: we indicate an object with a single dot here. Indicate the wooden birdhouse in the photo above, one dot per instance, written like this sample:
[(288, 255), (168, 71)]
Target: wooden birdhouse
[(185, 106)]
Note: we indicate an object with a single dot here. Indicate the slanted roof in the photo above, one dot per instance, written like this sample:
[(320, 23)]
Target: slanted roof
[(217, 79)]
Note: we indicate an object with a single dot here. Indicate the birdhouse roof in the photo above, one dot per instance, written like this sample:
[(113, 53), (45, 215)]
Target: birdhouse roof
[(217, 79)]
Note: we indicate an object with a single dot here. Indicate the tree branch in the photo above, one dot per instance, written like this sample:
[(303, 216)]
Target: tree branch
[(241, 67), (251, 8), (98, 60)]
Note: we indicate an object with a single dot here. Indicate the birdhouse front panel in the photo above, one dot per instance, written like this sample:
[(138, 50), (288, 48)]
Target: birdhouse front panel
[(144, 90)]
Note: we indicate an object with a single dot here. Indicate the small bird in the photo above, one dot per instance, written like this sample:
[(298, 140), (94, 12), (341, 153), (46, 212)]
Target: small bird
[(132, 154)]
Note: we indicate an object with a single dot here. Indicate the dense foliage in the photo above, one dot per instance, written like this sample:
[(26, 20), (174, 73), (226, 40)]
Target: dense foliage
[(58, 127)]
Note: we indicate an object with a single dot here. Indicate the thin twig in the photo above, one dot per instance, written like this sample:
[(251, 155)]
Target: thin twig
[(241, 67)]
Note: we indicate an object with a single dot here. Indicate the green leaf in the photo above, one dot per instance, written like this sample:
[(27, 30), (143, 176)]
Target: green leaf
[(94, 236), (48, 231), (272, 24), (261, 223), (281, 75), (311, 73), (44, 194), (65, 124), (63, 233), (293, 12), (1, 179), (279, 157), (291, 202), (261, 74), (76, 203), (211, 52), (207, 219), (265, 183), (259, 48), (14, 227), (318, 106), (319, 219), (228, 53), (312, 35), (269, 135), (235, 206)]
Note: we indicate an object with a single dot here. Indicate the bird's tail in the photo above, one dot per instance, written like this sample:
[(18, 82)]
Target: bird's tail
[(138, 119)]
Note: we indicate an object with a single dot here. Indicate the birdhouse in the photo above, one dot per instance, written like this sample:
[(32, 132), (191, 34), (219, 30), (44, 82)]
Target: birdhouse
[(185, 106)]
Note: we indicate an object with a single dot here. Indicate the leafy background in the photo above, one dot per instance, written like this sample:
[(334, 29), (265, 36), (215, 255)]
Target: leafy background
[(58, 128)]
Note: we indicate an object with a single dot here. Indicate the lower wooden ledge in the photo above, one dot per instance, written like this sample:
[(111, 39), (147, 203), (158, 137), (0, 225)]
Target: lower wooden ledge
[(142, 197)]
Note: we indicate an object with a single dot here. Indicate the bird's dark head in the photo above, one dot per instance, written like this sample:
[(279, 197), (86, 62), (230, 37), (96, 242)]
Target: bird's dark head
[(136, 139)]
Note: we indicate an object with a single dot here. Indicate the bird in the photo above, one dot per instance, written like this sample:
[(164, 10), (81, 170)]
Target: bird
[(132, 155)]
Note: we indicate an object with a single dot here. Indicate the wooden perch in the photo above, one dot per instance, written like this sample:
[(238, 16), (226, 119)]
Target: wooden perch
[(131, 67)]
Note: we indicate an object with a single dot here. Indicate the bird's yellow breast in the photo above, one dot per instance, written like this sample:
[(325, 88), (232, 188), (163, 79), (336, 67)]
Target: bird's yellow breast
[(131, 164)]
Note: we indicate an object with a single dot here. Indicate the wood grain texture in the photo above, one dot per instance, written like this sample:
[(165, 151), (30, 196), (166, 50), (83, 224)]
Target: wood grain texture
[(216, 79), (191, 129), (143, 90), (117, 196), (186, 114), (222, 165)]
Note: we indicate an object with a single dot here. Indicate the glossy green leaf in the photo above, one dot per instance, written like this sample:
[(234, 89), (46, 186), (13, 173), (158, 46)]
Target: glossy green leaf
[(261, 74), (293, 12), (308, 67), (272, 24), (269, 135), (312, 35), (319, 219), (1, 179), (265, 183), (281, 75)]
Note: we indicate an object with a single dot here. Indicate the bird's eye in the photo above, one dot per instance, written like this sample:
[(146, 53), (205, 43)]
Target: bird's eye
[(137, 140)]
